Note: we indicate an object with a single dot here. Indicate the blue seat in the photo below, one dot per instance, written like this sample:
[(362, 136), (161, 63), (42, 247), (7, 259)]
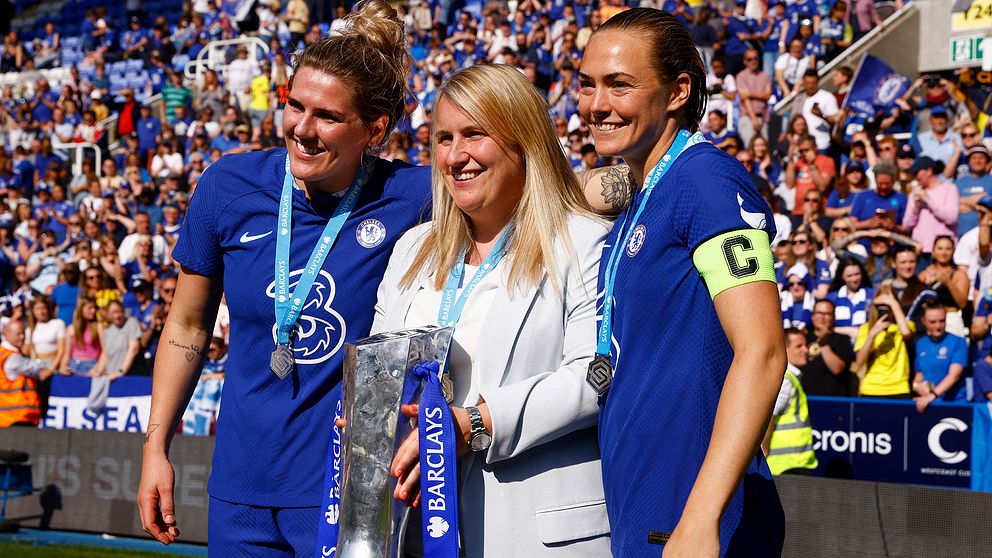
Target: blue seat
[(135, 65), (118, 67)]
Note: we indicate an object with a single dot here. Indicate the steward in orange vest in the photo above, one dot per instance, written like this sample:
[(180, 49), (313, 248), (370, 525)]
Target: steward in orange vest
[(19, 403)]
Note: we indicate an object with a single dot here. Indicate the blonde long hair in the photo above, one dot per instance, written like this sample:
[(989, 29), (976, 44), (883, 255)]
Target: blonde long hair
[(510, 109)]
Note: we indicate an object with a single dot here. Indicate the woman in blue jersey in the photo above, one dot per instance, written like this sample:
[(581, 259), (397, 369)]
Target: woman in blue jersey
[(690, 354), (317, 218), (512, 220)]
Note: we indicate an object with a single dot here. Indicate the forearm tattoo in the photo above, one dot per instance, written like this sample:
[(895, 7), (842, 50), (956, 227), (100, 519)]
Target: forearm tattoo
[(192, 351), (618, 186), (148, 435)]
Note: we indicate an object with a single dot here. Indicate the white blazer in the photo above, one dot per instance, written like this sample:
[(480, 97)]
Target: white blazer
[(538, 491)]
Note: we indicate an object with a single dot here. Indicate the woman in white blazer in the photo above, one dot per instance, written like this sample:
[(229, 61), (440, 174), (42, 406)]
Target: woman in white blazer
[(527, 333)]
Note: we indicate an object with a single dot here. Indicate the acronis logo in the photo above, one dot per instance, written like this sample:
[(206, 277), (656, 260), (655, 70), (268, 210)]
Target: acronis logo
[(320, 330)]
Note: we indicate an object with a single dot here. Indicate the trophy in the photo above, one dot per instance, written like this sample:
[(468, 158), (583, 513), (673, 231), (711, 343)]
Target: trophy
[(376, 382)]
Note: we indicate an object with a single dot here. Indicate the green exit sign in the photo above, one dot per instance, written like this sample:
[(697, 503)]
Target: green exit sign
[(967, 49)]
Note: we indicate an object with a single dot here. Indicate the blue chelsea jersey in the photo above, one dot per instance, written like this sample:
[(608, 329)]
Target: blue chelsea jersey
[(272, 434), (672, 356)]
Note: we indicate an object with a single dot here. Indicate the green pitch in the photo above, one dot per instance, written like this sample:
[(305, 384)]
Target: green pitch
[(28, 550)]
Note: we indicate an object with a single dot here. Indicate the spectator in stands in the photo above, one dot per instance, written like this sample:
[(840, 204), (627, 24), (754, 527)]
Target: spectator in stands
[(774, 32), (142, 229), (851, 292), (83, 336), (89, 131), (866, 17), (790, 67), (797, 301), (298, 19), (939, 142), (819, 108), (835, 33), (957, 167), (119, 341), (166, 162), (19, 402), (128, 114), (882, 208), (134, 41), (949, 281), (174, 94), (803, 251), (66, 292), (846, 187), (842, 242), (765, 165), (973, 186), (933, 206), (44, 264), (982, 377), (211, 95), (754, 88), (721, 87), (882, 359), (12, 53), (788, 442), (45, 335), (258, 108), (905, 284), (828, 370), (807, 170), (718, 133), (939, 360), (240, 72)]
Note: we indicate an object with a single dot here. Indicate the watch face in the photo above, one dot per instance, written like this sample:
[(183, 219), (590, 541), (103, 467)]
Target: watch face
[(480, 442)]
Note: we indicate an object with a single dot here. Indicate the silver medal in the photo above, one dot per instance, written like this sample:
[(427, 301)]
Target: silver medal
[(281, 362)]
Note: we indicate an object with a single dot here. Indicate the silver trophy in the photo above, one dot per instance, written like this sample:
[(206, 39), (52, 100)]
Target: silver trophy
[(376, 382)]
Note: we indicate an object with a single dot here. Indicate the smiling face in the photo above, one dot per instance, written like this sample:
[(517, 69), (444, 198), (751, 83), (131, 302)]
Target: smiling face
[(621, 96), (484, 177), (324, 133)]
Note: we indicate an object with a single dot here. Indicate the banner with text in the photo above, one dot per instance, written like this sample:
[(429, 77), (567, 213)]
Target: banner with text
[(128, 403), (885, 440)]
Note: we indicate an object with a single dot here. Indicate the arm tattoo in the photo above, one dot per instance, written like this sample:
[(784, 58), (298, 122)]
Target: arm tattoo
[(148, 434), (192, 351), (618, 186)]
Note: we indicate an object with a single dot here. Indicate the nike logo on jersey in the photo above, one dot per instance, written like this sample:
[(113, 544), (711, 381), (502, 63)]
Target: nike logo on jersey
[(246, 238)]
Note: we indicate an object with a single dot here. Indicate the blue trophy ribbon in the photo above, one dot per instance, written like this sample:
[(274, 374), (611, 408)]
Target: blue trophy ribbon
[(438, 467)]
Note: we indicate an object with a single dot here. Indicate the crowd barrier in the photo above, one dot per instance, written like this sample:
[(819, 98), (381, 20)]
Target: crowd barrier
[(88, 482), (889, 441)]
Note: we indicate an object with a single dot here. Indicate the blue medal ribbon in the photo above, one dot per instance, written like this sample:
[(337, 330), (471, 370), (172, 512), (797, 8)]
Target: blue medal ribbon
[(288, 306), (287, 311), (603, 339), (451, 308)]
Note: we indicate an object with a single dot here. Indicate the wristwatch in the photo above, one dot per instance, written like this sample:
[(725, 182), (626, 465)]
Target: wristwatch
[(480, 439)]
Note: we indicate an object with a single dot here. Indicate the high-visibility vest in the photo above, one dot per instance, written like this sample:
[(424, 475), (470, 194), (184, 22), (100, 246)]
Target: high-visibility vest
[(791, 446), (18, 398)]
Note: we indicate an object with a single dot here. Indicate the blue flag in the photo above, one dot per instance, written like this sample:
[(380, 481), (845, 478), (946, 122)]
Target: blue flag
[(876, 87)]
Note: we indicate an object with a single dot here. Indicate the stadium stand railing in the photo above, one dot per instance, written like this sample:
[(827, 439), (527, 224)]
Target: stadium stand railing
[(215, 56)]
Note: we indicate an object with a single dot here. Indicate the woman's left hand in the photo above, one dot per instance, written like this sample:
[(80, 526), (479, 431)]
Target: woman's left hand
[(406, 464), (692, 539)]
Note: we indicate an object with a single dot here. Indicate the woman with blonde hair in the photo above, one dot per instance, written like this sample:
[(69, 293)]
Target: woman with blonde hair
[(511, 220), (882, 358), (343, 210)]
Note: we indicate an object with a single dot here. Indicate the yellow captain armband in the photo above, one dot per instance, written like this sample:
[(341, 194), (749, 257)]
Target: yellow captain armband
[(734, 258)]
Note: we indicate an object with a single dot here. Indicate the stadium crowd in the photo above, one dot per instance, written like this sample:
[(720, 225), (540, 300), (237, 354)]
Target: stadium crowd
[(883, 222)]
